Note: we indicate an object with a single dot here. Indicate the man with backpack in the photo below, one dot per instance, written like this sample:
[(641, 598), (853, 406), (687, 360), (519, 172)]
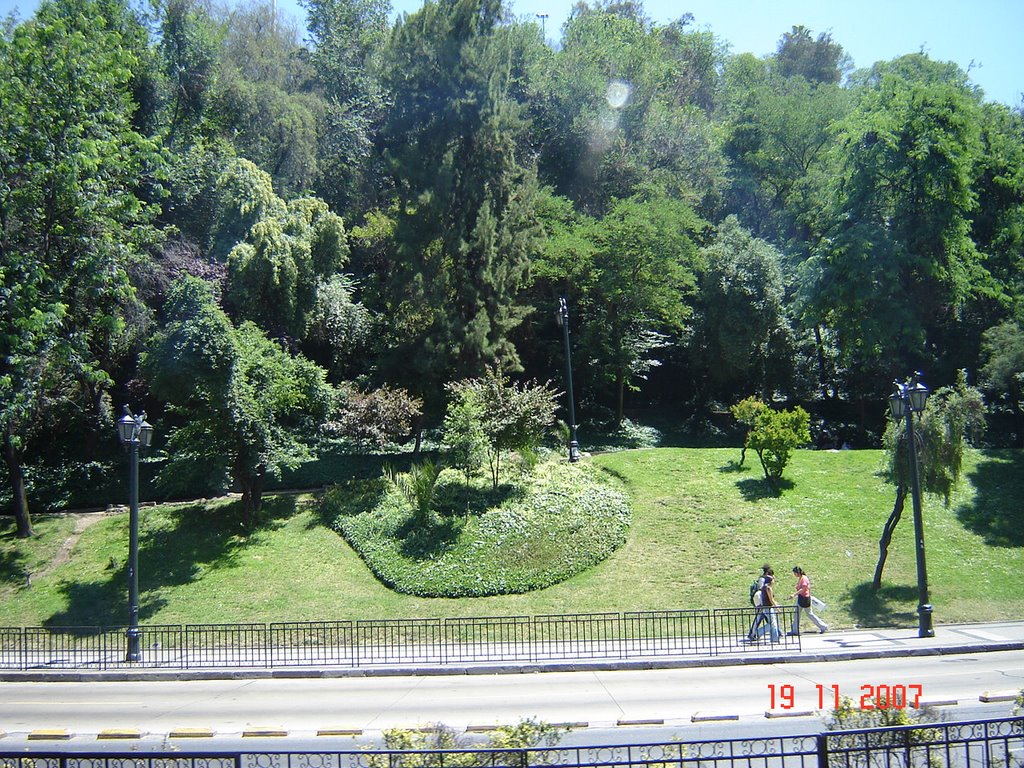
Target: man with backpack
[(762, 597)]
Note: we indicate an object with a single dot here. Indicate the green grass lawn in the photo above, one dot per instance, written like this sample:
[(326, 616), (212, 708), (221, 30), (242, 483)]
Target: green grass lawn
[(701, 527)]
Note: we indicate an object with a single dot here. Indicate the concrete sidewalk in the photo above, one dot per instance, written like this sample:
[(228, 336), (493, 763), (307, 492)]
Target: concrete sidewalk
[(831, 646), (882, 643)]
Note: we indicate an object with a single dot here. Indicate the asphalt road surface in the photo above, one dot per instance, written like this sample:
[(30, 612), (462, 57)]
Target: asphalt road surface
[(601, 706)]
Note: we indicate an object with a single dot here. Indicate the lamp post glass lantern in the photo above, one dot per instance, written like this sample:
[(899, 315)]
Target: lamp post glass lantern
[(563, 320), (907, 399), (134, 432)]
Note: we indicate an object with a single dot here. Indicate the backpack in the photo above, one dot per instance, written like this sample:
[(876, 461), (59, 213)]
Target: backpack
[(755, 589)]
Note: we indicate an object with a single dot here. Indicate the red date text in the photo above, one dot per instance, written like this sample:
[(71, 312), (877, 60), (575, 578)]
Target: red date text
[(871, 696)]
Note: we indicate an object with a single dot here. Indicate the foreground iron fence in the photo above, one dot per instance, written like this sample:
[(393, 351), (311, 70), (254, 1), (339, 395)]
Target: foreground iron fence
[(995, 743), (504, 639), (981, 744)]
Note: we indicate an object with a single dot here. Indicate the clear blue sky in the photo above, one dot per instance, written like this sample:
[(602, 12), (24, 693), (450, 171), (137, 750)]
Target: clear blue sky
[(983, 36)]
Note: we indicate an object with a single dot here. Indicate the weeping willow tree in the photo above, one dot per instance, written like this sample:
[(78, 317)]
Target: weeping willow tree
[(952, 417)]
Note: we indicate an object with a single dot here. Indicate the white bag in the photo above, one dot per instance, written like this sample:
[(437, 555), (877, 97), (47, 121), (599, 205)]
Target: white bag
[(818, 606)]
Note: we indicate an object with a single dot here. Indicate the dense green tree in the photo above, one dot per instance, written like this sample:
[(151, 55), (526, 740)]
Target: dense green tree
[(643, 265), (778, 113), (591, 100), (282, 253), (631, 279), (242, 408), (697, 56), (742, 338), (997, 226), (1002, 370), (190, 47), (623, 104), (236, 83), (71, 218), (465, 228), (347, 37), (895, 259), (190, 50), (266, 104), (777, 134), (819, 60)]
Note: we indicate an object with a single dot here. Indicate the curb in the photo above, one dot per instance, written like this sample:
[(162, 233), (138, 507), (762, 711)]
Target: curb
[(485, 668)]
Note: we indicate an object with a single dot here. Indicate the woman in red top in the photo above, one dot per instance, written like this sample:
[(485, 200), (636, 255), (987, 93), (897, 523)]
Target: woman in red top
[(803, 602)]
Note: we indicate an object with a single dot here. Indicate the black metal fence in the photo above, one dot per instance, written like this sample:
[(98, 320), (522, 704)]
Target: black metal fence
[(411, 642), (995, 743), (981, 744)]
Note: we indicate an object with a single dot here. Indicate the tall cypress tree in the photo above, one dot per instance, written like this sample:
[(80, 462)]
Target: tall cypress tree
[(465, 227)]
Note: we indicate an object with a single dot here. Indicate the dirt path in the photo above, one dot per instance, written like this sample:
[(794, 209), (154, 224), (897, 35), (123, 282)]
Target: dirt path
[(82, 521)]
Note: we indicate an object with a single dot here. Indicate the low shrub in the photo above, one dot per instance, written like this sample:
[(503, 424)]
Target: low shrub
[(551, 524)]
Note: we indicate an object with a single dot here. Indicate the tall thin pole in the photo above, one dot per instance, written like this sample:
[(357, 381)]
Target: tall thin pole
[(135, 433), (924, 607), (563, 320), (133, 553)]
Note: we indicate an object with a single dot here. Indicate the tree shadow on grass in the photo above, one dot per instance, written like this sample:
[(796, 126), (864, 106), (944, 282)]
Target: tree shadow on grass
[(734, 466), (198, 540), (616, 474), (996, 513), (454, 503), (102, 603), (12, 560), (459, 500), (338, 464), (885, 608), (756, 489), (427, 540)]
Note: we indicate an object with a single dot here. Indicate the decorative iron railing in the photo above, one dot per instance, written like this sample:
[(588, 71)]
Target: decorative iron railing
[(409, 642), (982, 744)]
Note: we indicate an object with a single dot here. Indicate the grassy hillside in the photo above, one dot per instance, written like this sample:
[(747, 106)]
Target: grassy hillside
[(701, 528)]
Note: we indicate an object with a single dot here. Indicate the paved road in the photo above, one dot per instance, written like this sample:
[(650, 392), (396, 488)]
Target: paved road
[(607, 700)]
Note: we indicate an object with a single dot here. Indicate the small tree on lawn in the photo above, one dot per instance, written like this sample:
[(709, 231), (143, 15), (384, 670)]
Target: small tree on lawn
[(774, 436), (515, 417), (951, 416), (745, 412), (465, 442)]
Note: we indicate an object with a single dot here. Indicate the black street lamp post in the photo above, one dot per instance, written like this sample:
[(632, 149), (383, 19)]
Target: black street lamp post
[(135, 432), (910, 398), (563, 320)]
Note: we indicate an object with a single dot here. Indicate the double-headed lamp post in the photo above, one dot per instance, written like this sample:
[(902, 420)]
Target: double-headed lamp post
[(563, 321), (135, 432), (907, 399)]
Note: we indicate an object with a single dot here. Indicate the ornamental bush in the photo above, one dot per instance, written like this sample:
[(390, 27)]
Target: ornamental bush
[(550, 524), (774, 435)]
